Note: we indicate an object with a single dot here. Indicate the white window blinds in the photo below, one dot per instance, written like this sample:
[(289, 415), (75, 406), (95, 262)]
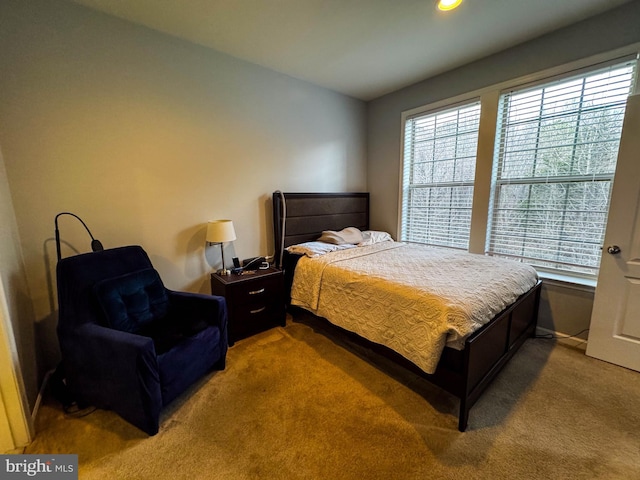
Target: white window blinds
[(554, 164), (438, 173)]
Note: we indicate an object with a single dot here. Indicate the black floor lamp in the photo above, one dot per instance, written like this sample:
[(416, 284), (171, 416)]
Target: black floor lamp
[(96, 246)]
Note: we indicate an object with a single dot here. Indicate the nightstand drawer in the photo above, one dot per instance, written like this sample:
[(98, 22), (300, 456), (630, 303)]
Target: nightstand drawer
[(256, 290), (255, 317)]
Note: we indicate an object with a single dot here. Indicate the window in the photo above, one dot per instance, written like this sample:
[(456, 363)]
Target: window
[(438, 173), (555, 158)]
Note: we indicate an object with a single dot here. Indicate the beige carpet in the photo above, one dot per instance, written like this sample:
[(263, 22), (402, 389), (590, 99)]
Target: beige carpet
[(297, 403)]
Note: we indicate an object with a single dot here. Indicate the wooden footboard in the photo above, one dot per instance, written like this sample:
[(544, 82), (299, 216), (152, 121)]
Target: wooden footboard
[(467, 373)]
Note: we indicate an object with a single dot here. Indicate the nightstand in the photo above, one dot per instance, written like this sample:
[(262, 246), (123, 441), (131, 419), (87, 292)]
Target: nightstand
[(255, 301)]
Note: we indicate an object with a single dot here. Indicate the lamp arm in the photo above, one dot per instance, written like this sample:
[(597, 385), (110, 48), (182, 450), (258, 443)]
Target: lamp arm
[(57, 239), (95, 244)]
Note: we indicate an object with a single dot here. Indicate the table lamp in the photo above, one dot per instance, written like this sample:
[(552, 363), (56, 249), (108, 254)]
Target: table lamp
[(220, 231)]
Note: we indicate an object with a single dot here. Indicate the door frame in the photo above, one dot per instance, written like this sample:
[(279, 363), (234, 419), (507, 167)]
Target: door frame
[(16, 426)]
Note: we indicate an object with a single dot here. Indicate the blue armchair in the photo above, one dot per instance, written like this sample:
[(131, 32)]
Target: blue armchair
[(128, 343)]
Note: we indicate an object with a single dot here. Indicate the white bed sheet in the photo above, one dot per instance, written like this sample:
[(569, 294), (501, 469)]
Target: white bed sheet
[(411, 298)]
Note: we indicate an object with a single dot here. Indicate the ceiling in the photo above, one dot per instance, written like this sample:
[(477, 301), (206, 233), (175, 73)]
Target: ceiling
[(362, 48)]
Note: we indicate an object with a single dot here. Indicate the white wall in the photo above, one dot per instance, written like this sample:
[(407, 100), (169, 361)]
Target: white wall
[(147, 137), (564, 308)]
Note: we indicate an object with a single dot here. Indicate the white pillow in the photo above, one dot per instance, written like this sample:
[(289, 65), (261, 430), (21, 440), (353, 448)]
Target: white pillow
[(346, 235), (371, 237), (315, 249)]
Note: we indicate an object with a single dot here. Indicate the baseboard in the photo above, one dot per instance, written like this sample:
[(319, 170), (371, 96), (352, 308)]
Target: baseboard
[(564, 339)]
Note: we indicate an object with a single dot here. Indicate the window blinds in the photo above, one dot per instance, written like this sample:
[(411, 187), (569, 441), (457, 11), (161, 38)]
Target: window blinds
[(554, 164), (438, 173)]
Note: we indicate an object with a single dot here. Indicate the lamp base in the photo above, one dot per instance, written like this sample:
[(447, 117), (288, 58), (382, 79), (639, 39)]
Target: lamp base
[(224, 271)]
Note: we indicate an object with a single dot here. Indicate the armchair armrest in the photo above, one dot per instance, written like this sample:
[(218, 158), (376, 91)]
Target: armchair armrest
[(115, 370), (209, 308), (104, 337)]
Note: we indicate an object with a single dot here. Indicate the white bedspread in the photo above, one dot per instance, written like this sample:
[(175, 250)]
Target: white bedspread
[(411, 298)]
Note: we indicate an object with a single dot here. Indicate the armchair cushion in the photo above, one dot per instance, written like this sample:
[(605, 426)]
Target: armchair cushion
[(132, 301)]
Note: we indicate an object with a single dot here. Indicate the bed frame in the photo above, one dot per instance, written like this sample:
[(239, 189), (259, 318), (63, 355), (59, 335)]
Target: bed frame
[(464, 373)]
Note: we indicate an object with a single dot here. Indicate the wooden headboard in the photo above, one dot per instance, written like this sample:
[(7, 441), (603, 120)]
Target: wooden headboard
[(306, 215)]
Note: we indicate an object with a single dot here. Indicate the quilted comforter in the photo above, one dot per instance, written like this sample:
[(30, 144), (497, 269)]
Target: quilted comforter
[(411, 298)]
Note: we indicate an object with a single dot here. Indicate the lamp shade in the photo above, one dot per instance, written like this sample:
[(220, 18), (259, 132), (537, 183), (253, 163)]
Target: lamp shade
[(219, 231)]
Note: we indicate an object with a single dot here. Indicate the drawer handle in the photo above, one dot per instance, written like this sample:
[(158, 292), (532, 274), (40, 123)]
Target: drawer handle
[(256, 292), (258, 310)]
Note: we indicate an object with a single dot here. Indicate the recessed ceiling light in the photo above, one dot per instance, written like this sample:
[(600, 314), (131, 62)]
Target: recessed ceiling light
[(446, 5)]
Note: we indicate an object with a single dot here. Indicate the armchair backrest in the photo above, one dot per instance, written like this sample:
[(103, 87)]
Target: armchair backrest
[(77, 275)]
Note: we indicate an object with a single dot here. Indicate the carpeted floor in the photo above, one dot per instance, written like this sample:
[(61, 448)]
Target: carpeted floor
[(302, 403)]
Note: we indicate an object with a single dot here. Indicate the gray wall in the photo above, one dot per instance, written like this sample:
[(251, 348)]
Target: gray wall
[(146, 138), (563, 309)]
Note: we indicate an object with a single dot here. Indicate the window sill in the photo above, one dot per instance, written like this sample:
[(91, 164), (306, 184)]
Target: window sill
[(577, 283)]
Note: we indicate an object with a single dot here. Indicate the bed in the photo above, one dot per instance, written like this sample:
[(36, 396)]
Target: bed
[(404, 300)]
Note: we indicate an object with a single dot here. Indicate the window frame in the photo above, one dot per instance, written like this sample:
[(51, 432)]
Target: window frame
[(499, 182), (435, 185), (489, 97)]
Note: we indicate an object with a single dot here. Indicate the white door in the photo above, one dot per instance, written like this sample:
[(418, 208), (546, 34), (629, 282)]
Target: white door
[(615, 323)]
